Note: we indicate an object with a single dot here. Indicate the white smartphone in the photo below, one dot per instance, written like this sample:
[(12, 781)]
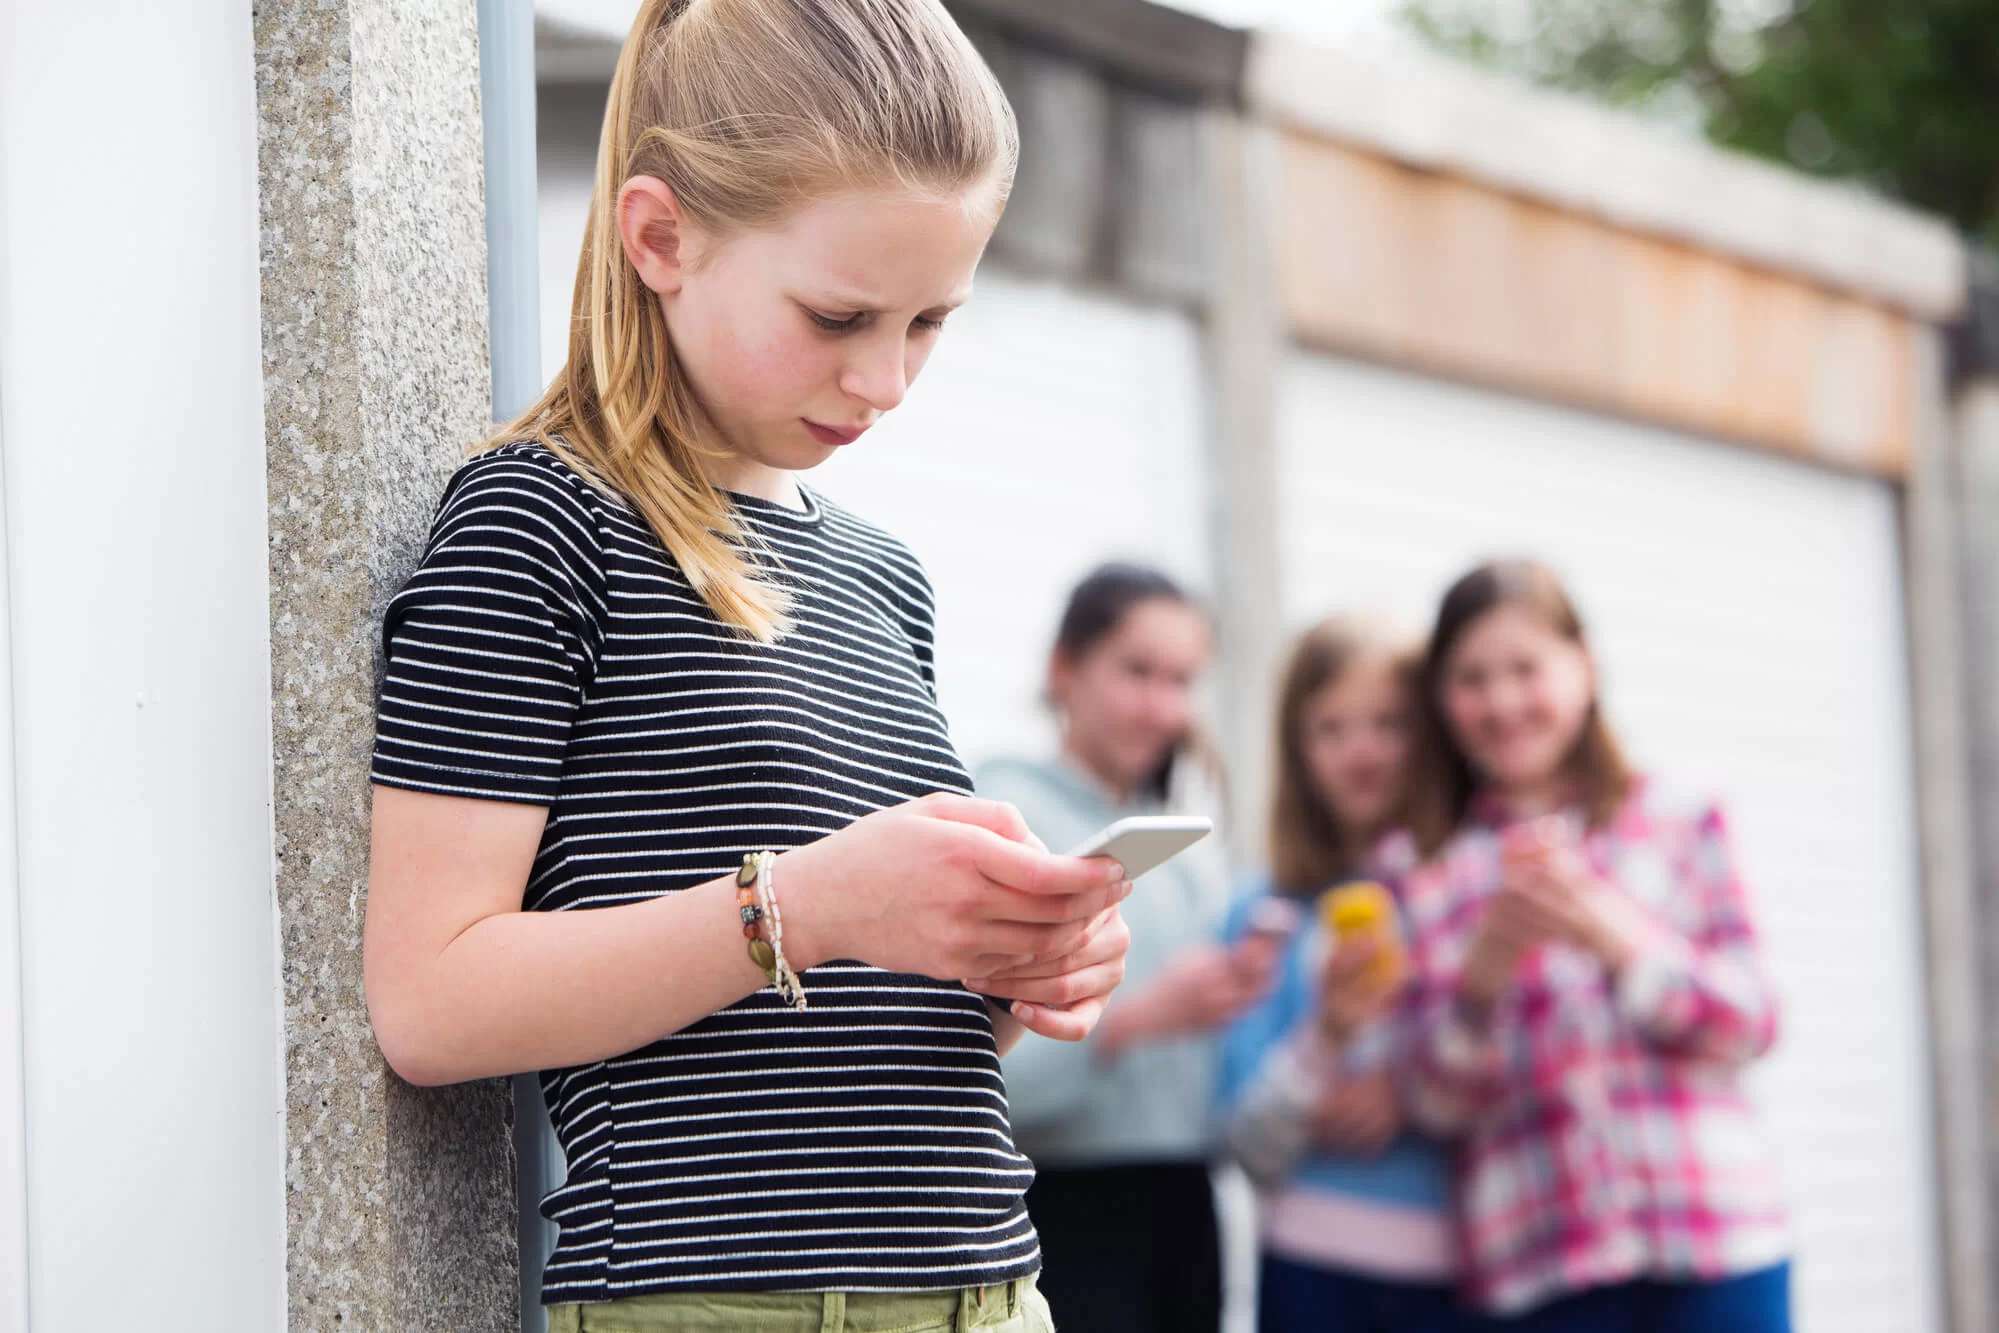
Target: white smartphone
[(1145, 842)]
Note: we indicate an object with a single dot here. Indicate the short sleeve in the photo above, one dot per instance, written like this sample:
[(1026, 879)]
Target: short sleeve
[(923, 642), (490, 644), (917, 610)]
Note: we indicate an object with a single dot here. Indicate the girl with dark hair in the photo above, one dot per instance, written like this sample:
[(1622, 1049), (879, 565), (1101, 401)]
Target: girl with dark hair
[(1356, 1207), (1588, 991), (1118, 1126)]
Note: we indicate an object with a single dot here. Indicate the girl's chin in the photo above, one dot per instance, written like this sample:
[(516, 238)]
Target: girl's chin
[(1361, 814), (1524, 772), (1140, 765)]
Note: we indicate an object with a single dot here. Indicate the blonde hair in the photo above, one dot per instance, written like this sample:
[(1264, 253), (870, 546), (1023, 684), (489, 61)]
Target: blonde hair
[(1308, 847), (748, 110)]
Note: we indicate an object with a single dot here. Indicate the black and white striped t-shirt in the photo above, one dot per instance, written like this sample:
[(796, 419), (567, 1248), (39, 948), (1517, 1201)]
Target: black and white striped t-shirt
[(548, 650)]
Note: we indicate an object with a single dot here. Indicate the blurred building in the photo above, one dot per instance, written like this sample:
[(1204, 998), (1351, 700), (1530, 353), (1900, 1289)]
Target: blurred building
[(1312, 329)]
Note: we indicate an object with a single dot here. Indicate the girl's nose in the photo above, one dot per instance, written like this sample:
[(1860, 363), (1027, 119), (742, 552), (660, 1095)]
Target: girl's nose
[(878, 376)]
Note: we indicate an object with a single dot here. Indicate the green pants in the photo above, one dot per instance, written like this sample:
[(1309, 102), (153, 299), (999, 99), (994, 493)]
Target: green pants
[(1010, 1307)]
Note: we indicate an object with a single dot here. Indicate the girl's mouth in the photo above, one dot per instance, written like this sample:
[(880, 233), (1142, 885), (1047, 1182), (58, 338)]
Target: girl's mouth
[(833, 435)]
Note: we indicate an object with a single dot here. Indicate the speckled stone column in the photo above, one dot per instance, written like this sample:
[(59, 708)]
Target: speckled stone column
[(400, 1207)]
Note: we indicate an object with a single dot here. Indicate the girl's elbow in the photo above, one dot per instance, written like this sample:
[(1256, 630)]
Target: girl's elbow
[(1764, 1038), (414, 1067), (412, 1052), (1763, 1022)]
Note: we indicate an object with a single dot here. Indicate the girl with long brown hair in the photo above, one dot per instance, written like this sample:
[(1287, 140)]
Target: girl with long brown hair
[(1356, 1232), (1589, 989), (665, 807)]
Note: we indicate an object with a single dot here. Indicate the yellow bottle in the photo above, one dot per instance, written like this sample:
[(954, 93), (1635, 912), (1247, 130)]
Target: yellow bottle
[(1365, 908)]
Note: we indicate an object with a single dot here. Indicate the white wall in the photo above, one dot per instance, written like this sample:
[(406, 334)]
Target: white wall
[(131, 443), (1748, 612)]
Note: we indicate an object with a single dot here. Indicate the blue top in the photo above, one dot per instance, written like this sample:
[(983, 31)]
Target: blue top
[(1068, 1107), (1389, 1213)]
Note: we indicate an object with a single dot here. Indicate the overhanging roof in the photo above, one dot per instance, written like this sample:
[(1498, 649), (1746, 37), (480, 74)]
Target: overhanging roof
[(1432, 112)]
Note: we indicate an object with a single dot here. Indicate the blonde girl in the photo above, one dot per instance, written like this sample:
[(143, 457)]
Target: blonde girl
[(665, 808), (1357, 1234)]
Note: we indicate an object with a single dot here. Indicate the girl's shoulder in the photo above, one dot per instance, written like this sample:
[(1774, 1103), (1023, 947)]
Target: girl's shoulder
[(1003, 775), (1045, 791), (870, 540), (858, 530), (526, 482), (878, 561), (1393, 855), (1663, 809), (518, 502), (533, 458)]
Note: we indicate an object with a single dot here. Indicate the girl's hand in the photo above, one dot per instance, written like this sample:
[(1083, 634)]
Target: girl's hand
[(1568, 901), (1064, 997), (1510, 927), (1359, 1117), (1350, 993), (951, 887), (1202, 988)]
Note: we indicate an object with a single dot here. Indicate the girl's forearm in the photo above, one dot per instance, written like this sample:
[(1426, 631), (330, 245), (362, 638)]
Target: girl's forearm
[(522, 991), (1132, 1021), (1007, 1030)]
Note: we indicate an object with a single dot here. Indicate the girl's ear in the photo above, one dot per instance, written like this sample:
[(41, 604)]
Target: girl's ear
[(653, 232), (1060, 672)]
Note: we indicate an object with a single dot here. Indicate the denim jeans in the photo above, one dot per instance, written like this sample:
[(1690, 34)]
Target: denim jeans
[(1304, 1298), (1758, 1302)]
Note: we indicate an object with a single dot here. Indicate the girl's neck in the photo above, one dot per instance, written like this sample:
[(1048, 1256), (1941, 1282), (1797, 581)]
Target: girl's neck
[(1530, 800), (744, 476), (1357, 840), (1121, 794)]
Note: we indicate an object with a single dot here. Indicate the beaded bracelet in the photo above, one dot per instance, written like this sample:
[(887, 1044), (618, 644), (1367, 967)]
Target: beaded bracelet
[(763, 925)]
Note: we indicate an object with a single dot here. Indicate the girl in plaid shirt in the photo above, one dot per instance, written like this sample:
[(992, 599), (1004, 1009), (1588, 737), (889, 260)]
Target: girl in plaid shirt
[(1587, 990)]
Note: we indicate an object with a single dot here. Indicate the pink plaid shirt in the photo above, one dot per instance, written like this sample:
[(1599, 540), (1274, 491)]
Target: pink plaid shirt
[(1605, 1134)]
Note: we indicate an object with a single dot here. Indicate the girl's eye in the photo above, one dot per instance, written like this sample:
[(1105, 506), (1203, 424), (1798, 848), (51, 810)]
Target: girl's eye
[(831, 324), (929, 325)]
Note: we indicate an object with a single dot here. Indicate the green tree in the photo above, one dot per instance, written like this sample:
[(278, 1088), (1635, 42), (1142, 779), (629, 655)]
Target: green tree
[(1900, 94)]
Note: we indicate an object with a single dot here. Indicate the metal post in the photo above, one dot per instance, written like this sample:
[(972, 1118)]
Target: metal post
[(507, 108), (507, 96)]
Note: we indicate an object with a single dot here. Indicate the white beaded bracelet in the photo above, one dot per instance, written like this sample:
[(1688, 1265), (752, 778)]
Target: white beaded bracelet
[(767, 944)]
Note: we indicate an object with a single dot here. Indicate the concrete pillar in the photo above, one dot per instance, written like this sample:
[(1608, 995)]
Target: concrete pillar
[(1246, 341), (1941, 676), (399, 1201), (1971, 422), (1977, 430)]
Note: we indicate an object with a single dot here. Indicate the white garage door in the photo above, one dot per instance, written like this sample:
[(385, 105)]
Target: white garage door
[(1749, 614), (1051, 430)]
